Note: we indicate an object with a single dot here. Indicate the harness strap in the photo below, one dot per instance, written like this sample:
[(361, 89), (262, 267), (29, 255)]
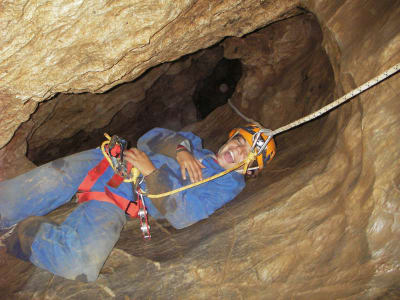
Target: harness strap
[(131, 208), (84, 193), (115, 181), (93, 175)]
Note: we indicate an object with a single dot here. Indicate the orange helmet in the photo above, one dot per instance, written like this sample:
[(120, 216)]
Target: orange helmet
[(250, 132)]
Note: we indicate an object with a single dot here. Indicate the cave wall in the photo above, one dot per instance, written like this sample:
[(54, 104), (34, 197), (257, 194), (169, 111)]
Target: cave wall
[(360, 49), (92, 46), (162, 97), (321, 222)]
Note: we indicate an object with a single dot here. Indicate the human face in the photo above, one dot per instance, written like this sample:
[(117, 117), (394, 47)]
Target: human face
[(233, 152)]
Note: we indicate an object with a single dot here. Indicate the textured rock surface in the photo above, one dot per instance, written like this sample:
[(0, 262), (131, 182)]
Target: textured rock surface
[(322, 222), (80, 46)]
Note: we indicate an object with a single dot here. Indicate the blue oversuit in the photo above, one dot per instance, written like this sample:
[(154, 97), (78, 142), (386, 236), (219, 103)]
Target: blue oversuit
[(78, 247)]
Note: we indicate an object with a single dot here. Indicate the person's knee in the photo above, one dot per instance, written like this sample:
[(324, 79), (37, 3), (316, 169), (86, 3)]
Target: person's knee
[(20, 241), (81, 267), (69, 254), (81, 272)]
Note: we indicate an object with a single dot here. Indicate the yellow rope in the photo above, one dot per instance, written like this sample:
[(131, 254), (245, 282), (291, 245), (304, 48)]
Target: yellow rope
[(246, 162), (135, 172)]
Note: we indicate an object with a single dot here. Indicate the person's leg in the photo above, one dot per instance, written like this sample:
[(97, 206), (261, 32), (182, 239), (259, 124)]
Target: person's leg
[(75, 249), (44, 188)]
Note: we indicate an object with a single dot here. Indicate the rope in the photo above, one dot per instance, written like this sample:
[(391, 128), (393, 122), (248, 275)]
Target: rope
[(242, 115), (135, 172), (246, 162), (331, 105), (252, 155)]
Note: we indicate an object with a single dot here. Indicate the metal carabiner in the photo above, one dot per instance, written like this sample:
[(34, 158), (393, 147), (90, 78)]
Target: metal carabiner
[(142, 214), (256, 139)]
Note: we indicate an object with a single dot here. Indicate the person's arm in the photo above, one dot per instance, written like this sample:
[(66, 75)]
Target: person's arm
[(156, 180), (202, 201), (162, 141), (187, 207), (174, 145)]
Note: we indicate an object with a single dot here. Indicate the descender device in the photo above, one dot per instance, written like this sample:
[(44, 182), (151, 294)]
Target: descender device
[(115, 150)]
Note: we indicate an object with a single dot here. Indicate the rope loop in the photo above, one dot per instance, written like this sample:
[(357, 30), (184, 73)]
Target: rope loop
[(247, 161)]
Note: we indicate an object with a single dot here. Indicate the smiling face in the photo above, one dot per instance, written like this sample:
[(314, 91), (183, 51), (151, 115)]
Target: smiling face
[(233, 152)]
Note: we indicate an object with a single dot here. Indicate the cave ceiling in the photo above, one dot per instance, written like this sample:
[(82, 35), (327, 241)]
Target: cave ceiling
[(321, 222)]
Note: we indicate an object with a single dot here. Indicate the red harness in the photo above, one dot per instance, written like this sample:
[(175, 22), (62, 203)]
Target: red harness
[(85, 194), (135, 209)]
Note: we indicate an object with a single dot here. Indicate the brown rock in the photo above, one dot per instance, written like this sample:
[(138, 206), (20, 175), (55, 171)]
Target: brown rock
[(321, 222)]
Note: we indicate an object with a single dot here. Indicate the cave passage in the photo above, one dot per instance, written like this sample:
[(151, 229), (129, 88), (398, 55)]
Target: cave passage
[(275, 75), (176, 94), (319, 222), (216, 89)]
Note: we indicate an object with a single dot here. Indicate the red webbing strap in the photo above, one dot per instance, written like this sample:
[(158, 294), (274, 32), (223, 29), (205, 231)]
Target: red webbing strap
[(115, 181), (110, 197), (93, 175)]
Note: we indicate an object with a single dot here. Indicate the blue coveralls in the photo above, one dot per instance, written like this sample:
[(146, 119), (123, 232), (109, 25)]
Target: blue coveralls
[(78, 247)]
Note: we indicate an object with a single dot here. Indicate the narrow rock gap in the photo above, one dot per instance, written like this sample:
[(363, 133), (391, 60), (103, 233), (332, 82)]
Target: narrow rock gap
[(275, 75)]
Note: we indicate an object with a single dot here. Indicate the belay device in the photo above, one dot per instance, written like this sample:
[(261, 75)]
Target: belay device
[(113, 150)]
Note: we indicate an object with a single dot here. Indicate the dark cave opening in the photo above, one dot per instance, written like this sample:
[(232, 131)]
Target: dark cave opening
[(172, 95), (216, 89)]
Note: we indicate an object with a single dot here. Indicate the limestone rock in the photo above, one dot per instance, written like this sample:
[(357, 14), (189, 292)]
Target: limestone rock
[(77, 46), (321, 222)]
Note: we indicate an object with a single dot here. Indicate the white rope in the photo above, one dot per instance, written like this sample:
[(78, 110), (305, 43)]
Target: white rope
[(328, 107), (242, 115)]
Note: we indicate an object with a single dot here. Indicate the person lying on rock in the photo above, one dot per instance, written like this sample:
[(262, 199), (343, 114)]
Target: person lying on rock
[(78, 247)]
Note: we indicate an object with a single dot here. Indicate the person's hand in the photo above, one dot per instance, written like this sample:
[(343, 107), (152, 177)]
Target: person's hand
[(140, 160), (190, 164)]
